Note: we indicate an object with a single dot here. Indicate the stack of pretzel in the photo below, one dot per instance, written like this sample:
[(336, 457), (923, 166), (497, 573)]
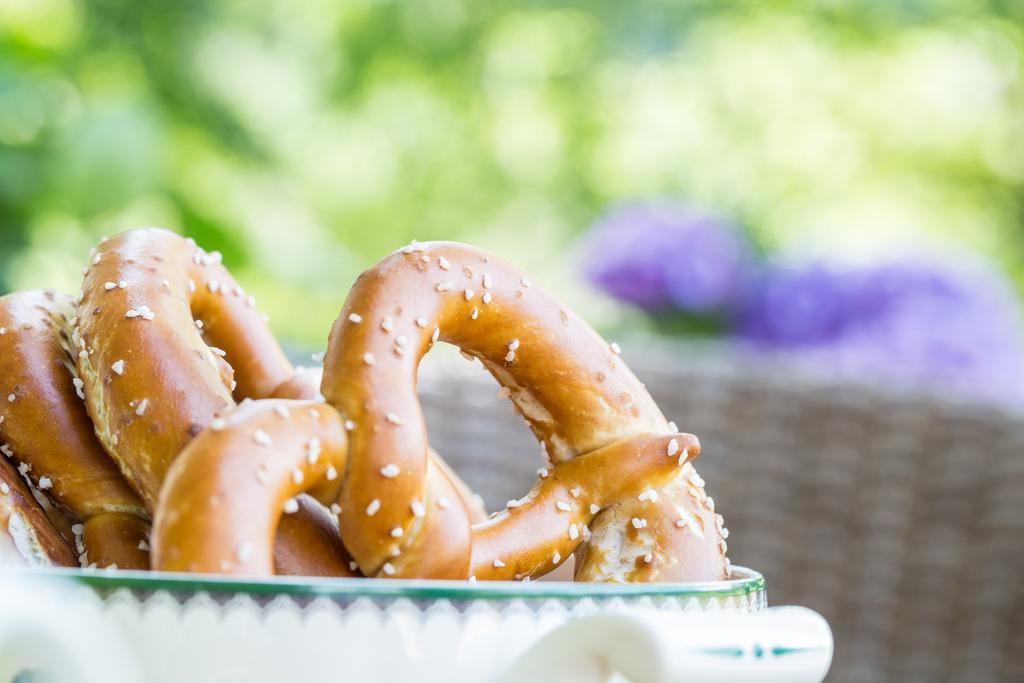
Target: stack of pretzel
[(155, 423)]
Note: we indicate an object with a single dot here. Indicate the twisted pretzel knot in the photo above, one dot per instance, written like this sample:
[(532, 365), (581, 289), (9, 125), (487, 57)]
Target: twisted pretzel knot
[(242, 484), (159, 322), (164, 344), (401, 512), (167, 341), (607, 441)]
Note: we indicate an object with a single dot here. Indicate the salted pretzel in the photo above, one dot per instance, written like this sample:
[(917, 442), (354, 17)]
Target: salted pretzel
[(46, 431), (26, 534), (167, 341), (609, 445), (611, 458)]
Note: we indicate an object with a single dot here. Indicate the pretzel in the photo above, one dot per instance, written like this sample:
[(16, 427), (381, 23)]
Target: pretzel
[(44, 427), (25, 531), (167, 341), (608, 443), (168, 337), (220, 514)]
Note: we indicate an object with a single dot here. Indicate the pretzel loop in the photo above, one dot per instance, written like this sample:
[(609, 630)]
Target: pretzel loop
[(167, 341), (221, 514), (159, 322), (569, 385)]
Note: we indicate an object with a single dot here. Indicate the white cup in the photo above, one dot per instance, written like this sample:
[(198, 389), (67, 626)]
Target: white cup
[(163, 628)]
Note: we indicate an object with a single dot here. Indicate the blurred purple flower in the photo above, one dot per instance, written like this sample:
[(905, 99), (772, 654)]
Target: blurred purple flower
[(665, 255), (910, 321)]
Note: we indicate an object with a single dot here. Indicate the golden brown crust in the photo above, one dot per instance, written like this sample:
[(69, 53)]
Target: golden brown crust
[(473, 502), (44, 424), (225, 494), (166, 342), (680, 537), (541, 530), (305, 385), (308, 543), (153, 378), (574, 392), (117, 539), (25, 531)]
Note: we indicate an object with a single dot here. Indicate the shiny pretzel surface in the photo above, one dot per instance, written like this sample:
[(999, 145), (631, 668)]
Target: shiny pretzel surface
[(167, 341), (173, 399), (570, 386), (47, 434)]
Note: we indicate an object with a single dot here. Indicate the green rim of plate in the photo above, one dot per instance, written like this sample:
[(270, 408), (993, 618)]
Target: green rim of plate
[(746, 581)]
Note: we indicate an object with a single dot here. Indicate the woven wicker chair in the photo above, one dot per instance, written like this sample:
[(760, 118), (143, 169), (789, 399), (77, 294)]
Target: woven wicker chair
[(898, 516)]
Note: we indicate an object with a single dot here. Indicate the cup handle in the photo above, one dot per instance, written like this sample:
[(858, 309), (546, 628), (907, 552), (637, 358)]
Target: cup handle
[(49, 634), (780, 644)]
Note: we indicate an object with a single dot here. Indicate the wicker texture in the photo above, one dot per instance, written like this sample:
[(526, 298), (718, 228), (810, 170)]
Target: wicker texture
[(898, 516)]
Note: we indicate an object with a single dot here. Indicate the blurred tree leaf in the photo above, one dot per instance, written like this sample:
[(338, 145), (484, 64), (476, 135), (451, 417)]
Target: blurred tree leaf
[(306, 140)]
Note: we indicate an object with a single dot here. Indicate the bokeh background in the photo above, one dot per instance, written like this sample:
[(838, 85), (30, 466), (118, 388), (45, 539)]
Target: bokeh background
[(737, 191), (842, 140)]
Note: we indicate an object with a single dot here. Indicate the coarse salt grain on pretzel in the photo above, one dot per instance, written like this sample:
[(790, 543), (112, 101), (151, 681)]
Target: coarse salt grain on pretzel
[(26, 534), (306, 385), (222, 500), (167, 341), (165, 338), (400, 516), (534, 534), (633, 540), (44, 427), (231, 487)]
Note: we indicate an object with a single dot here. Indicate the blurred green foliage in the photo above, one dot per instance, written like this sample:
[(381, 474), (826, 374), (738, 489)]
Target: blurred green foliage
[(306, 139)]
